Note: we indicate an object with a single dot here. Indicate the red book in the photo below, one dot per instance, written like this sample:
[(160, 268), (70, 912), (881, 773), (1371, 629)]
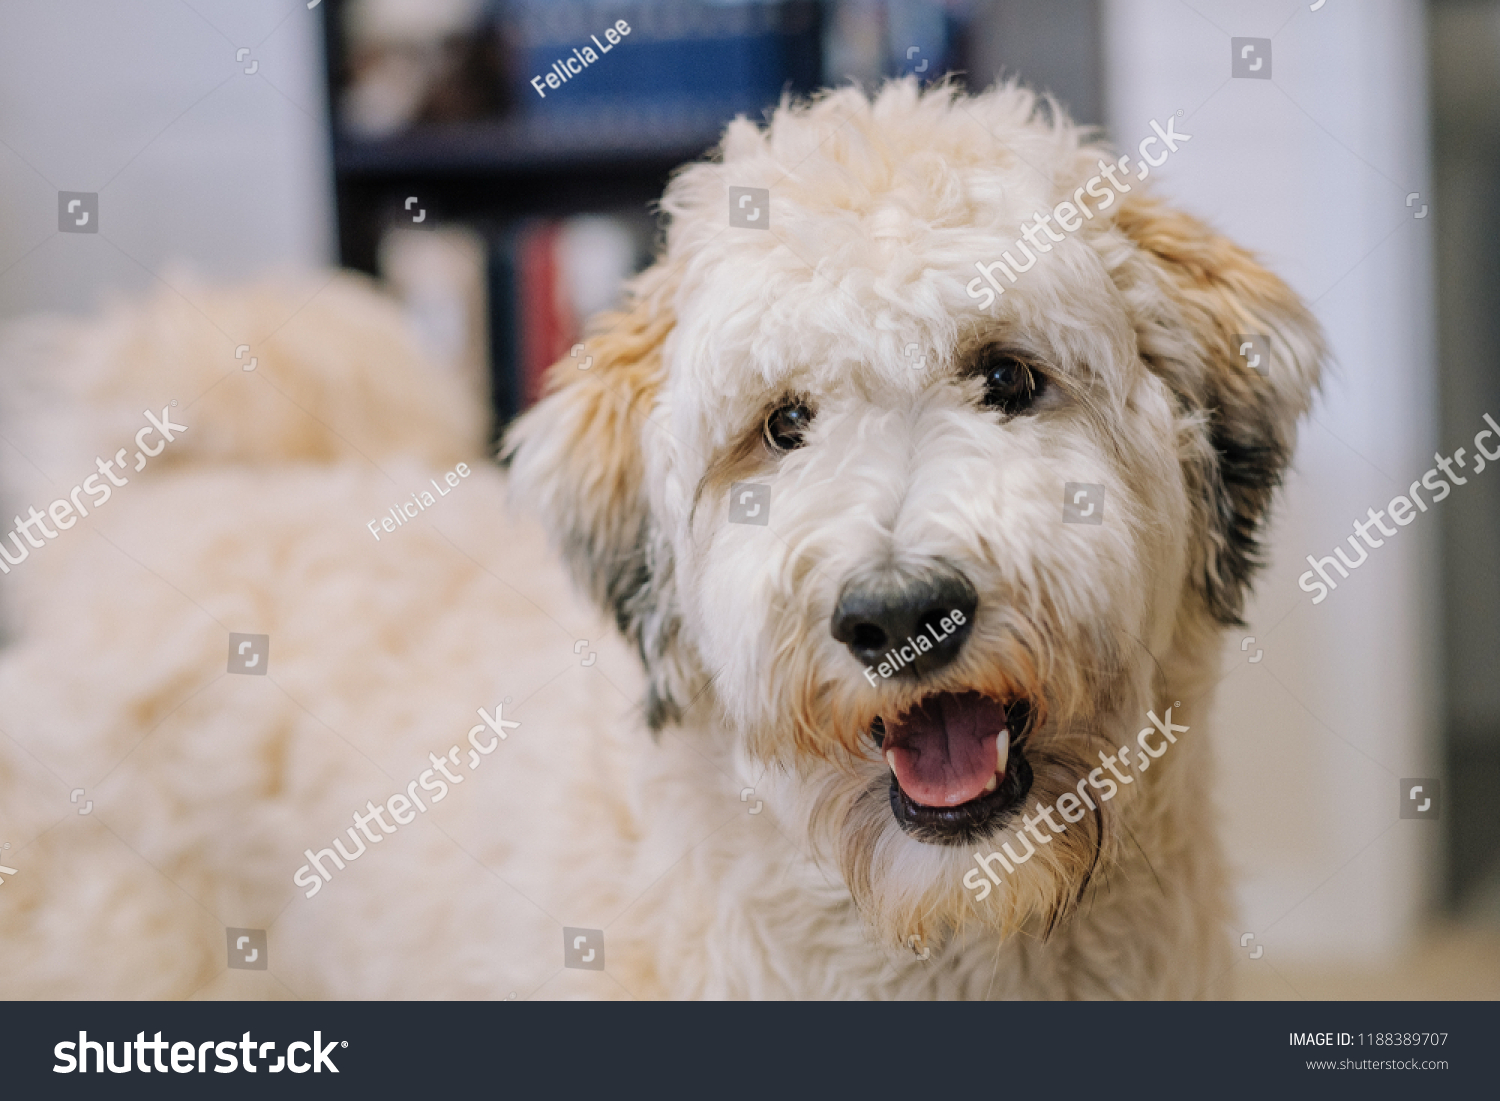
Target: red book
[(547, 326)]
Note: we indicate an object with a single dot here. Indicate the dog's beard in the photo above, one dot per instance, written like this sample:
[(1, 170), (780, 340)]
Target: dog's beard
[(905, 888)]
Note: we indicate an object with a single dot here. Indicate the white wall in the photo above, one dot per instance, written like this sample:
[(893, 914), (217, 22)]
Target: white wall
[(144, 102), (1311, 169)]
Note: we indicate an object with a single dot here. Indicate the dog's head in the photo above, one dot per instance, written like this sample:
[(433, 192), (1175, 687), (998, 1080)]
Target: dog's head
[(927, 533)]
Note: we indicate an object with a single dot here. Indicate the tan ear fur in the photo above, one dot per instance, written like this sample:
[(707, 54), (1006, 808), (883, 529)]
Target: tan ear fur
[(576, 458), (1193, 292)]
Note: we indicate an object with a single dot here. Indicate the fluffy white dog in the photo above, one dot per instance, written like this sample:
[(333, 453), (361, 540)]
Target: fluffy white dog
[(916, 720)]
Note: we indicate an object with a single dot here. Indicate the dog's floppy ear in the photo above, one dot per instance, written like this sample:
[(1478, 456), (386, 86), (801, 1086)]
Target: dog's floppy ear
[(1197, 299), (577, 459)]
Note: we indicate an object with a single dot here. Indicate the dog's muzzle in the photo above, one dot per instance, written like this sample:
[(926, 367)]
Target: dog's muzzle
[(956, 763)]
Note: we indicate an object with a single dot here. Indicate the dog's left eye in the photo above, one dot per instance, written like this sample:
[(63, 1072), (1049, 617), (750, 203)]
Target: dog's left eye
[(786, 427), (1010, 385)]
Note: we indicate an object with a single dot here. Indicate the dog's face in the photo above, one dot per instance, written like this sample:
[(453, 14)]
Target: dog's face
[(907, 614)]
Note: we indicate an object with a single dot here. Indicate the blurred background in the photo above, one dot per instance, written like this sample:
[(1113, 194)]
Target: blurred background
[(225, 139)]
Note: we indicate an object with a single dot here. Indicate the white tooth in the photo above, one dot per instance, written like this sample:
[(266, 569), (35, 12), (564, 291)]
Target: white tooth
[(992, 785), (890, 759), (1002, 751)]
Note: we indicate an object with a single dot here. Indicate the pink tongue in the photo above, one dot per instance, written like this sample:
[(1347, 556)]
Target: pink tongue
[(943, 752)]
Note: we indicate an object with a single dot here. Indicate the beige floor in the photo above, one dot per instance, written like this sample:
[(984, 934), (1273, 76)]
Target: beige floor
[(1451, 961)]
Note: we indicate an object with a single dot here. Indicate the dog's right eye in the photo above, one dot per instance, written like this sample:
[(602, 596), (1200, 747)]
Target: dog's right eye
[(786, 427), (1010, 384)]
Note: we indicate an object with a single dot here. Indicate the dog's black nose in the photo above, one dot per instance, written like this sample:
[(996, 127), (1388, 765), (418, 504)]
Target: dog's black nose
[(912, 624)]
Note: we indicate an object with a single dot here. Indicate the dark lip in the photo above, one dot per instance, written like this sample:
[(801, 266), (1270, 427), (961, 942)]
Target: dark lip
[(971, 821)]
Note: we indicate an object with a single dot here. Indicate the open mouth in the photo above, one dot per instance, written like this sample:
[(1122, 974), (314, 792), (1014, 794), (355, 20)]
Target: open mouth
[(957, 765)]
